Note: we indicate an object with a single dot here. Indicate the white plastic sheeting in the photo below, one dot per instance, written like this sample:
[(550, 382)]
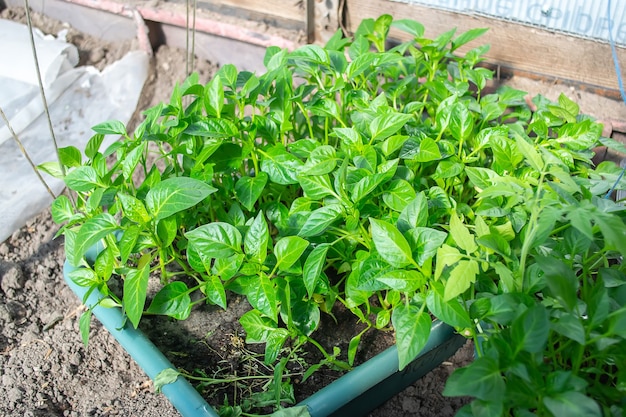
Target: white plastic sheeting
[(78, 98)]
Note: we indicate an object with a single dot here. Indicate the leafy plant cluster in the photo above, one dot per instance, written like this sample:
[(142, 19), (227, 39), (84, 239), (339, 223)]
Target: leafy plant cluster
[(383, 179)]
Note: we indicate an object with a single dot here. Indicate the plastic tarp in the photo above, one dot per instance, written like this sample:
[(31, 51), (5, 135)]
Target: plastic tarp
[(78, 98)]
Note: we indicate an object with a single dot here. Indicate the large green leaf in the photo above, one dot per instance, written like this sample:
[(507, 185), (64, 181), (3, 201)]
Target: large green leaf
[(281, 166), (249, 189), (176, 194), (415, 214), (172, 300), (386, 125), (425, 242), (313, 267), (135, 288), (461, 234), (320, 220), (288, 250), (390, 244), (257, 239), (263, 297), (215, 240), (316, 187), (572, 403), (481, 379), (82, 179), (450, 311), (462, 276), (530, 331), (412, 327), (89, 234)]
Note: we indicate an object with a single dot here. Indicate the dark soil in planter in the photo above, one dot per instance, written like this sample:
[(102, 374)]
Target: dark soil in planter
[(46, 370)]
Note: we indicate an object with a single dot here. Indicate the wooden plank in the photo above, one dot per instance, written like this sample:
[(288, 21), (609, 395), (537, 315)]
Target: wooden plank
[(283, 9), (524, 49)]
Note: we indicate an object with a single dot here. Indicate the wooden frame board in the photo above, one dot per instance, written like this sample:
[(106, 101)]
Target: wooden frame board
[(525, 50)]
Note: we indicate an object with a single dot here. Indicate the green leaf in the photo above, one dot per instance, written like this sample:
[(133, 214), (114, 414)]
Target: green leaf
[(390, 244), (263, 297), (450, 311), (172, 300), (70, 156), (263, 330), (481, 379), (415, 214), (386, 125), (446, 256), (135, 288), (313, 267), (167, 229), (129, 163), (166, 376), (462, 276), (82, 179), (281, 166), (84, 324), (316, 187), (249, 189), (62, 209), (403, 280), (425, 242), (467, 37), (398, 194), (127, 241), (133, 208), (89, 234), (288, 250), (305, 316), (213, 128), (530, 331), (409, 26), (214, 97), (176, 194), (572, 403), (412, 327), (215, 240), (257, 239), (424, 150), (322, 160), (461, 122), (561, 280), (571, 327), (214, 290), (320, 220), (93, 146), (112, 127), (532, 157), (461, 235)]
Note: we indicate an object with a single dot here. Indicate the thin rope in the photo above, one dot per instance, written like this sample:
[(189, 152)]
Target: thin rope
[(187, 38), (620, 83), (193, 35), (23, 150), (41, 91)]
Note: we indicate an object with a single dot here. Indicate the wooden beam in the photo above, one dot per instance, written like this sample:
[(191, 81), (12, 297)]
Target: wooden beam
[(284, 9), (524, 49)]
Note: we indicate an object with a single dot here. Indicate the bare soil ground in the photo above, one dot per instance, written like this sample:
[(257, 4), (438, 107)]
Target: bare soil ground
[(46, 370)]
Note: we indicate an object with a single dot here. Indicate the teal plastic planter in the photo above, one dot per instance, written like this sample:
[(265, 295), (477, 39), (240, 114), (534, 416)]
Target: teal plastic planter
[(355, 394)]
